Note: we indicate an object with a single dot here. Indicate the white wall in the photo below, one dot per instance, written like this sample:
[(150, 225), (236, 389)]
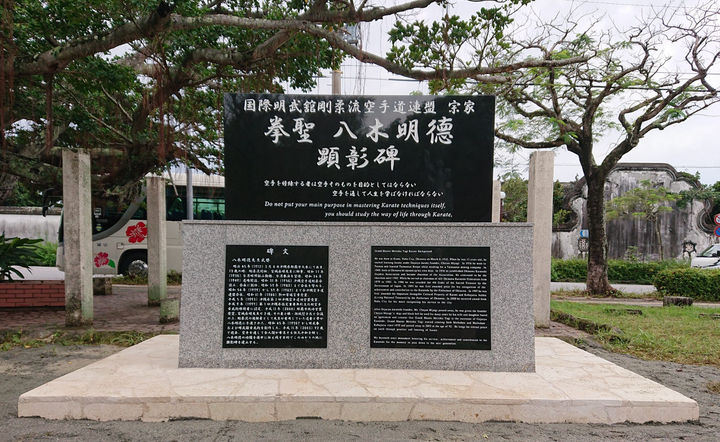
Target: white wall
[(30, 226)]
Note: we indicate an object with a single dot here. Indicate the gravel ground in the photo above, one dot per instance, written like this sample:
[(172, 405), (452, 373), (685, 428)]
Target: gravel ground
[(23, 369)]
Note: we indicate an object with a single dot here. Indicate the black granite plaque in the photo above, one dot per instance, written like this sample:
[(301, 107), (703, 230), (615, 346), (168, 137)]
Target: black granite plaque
[(430, 297), (359, 158), (276, 296)]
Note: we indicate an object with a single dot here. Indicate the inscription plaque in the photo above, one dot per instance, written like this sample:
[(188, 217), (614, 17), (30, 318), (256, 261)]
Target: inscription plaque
[(275, 296), (359, 158), (430, 297)]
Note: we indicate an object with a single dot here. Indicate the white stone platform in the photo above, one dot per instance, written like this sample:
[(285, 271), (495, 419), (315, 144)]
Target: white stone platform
[(144, 383)]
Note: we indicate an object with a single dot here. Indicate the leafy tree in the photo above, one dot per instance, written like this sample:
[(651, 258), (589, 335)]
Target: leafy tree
[(646, 202), (702, 193), (23, 194), (628, 84), (516, 199), (560, 215), (140, 83)]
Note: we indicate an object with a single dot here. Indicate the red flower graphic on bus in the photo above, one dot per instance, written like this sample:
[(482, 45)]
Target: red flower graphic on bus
[(101, 259), (136, 233)]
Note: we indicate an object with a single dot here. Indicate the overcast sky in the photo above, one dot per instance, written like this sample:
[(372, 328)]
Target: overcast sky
[(692, 146)]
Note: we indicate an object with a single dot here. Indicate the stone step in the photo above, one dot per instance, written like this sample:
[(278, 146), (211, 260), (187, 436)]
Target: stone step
[(144, 383)]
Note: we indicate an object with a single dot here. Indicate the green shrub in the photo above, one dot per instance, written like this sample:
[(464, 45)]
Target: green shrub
[(619, 271), (16, 252), (569, 270), (47, 254), (174, 278), (553, 272), (699, 284)]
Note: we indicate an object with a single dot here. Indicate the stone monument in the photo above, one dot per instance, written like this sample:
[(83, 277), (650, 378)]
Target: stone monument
[(358, 236), (360, 240)]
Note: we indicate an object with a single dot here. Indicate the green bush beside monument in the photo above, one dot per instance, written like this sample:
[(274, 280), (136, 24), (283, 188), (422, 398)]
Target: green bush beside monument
[(699, 284), (619, 270)]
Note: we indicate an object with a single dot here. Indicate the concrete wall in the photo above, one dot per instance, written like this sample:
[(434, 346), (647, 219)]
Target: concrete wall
[(33, 226), (677, 227)]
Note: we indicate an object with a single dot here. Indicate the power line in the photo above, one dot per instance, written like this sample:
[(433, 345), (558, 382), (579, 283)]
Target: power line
[(665, 71), (625, 4), (557, 85), (676, 167), (469, 80)]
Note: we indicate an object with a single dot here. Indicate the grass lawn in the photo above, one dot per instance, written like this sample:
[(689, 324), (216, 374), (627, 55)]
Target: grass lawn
[(687, 335)]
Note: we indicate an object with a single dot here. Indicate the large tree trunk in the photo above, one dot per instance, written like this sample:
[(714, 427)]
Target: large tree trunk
[(597, 280)]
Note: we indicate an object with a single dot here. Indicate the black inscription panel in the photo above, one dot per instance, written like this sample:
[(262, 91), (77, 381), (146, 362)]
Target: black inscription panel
[(359, 158), (276, 296), (430, 297)]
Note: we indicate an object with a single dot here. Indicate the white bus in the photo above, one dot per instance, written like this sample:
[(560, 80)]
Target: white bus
[(120, 236)]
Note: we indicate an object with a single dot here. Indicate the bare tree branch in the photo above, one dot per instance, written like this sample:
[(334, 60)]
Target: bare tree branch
[(529, 144), (162, 21)]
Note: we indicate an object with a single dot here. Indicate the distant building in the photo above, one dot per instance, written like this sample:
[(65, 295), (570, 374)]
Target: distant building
[(684, 231)]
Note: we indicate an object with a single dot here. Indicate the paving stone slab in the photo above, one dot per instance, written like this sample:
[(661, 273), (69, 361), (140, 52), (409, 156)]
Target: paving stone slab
[(144, 383)]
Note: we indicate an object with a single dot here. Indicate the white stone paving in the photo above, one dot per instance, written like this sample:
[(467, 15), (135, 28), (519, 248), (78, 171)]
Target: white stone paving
[(144, 383)]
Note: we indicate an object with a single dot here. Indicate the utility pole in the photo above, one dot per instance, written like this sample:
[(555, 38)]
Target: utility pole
[(189, 192), (336, 82)]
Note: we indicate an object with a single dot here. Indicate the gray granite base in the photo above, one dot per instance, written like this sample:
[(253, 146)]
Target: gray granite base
[(348, 334)]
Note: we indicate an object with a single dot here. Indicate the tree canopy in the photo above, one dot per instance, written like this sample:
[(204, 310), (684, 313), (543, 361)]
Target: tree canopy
[(630, 85), (648, 202), (140, 82), (514, 205)]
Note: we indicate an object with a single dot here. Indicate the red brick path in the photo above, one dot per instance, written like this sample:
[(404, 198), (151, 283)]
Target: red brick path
[(125, 310)]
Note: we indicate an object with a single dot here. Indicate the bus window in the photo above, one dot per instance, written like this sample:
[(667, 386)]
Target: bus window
[(209, 208), (107, 213), (176, 208), (208, 203), (141, 212)]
